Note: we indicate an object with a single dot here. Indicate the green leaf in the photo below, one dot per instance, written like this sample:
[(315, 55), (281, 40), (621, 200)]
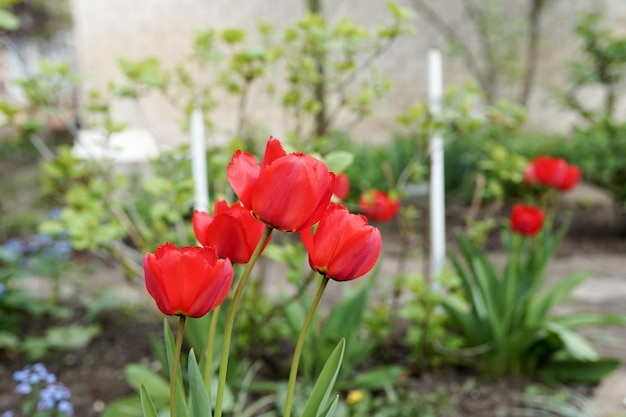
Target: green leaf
[(578, 320), (542, 306), (8, 20), (377, 377), (8, 340), (129, 406), (71, 337), (146, 403), (198, 399), (338, 161), (574, 344), (591, 372), (325, 383), (139, 375), (332, 407)]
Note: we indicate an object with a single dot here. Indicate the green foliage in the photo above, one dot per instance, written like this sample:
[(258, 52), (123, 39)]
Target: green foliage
[(61, 337), (41, 18), (505, 318), (599, 146), (309, 68), (478, 164), (103, 207), (397, 401), (383, 166), (319, 403), (557, 401), (8, 20), (48, 93), (427, 325)]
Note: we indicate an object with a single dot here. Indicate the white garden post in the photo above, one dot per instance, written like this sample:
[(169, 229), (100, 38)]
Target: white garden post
[(437, 199), (198, 161)]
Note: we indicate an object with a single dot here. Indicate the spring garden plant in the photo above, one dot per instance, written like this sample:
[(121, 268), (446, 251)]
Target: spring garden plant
[(285, 192), (505, 316)]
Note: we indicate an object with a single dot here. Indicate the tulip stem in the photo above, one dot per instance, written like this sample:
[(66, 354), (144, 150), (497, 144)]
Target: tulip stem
[(209, 351), (176, 363), (293, 373), (230, 320)]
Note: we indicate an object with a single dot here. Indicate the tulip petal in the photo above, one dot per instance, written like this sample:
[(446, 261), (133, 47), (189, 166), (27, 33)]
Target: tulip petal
[(273, 150), (292, 192), (243, 172), (201, 221)]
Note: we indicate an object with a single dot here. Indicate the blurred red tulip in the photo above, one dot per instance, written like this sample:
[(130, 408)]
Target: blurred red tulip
[(231, 229), (378, 205), (526, 220), (289, 192), (342, 186), (570, 179), (344, 246), (190, 281), (553, 172)]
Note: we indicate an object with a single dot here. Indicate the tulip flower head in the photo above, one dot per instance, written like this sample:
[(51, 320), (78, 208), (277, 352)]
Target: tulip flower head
[(378, 205), (526, 220), (344, 246), (187, 282), (289, 192), (231, 229), (342, 186), (552, 172)]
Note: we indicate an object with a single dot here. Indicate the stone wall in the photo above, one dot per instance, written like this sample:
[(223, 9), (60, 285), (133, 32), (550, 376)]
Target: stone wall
[(108, 29)]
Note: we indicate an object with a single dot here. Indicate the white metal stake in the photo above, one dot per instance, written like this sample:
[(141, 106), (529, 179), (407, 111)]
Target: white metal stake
[(198, 161), (437, 198)]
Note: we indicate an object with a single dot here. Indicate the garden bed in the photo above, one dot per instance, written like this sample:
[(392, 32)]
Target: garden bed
[(95, 374)]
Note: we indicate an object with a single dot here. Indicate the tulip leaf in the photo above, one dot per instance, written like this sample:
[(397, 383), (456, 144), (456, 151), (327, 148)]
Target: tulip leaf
[(146, 403), (325, 383), (332, 407), (198, 399), (591, 372)]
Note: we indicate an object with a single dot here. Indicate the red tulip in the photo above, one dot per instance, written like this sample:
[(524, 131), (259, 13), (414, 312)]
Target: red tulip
[(289, 192), (526, 220), (570, 179), (554, 172), (549, 171), (232, 230), (378, 205), (344, 246), (342, 186), (190, 281), (530, 175)]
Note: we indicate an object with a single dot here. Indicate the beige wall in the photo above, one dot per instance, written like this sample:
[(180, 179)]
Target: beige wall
[(108, 29)]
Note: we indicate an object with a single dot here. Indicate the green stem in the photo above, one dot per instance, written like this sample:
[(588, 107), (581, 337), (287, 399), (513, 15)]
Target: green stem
[(230, 320), (176, 363), (299, 345), (208, 372)]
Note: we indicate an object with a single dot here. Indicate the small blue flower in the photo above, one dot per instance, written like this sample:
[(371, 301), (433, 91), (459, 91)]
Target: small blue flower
[(21, 376), (38, 242), (9, 414), (66, 408), (12, 250), (24, 388), (52, 396), (55, 213)]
